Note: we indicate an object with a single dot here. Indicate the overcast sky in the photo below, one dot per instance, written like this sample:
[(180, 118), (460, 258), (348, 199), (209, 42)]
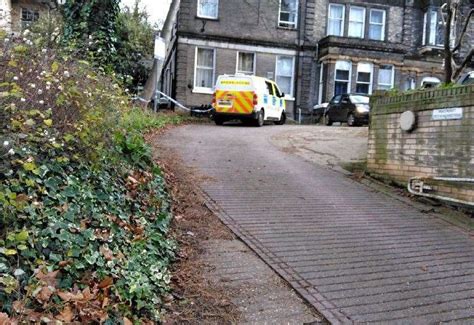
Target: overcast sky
[(157, 9)]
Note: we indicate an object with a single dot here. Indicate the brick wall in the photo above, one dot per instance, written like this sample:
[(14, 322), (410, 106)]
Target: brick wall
[(253, 21), (433, 148), (225, 64)]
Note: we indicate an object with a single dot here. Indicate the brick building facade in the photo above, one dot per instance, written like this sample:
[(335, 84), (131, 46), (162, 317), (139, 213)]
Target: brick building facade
[(313, 49)]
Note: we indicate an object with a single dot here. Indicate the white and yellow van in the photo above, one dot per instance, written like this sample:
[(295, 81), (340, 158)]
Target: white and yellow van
[(247, 98)]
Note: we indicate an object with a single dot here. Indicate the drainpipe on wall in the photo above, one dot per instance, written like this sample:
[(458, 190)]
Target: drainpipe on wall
[(296, 107), (151, 83)]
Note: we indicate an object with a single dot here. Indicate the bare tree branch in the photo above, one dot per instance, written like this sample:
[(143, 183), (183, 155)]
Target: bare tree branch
[(463, 32), (468, 59)]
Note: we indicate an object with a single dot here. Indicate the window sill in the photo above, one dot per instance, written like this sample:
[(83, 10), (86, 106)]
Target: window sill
[(207, 91), (294, 29), (359, 38), (429, 48), (207, 18)]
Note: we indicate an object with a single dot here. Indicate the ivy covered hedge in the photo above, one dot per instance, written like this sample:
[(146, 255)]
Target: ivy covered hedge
[(84, 211)]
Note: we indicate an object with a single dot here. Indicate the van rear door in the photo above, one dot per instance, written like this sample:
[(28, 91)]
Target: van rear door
[(234, 95)]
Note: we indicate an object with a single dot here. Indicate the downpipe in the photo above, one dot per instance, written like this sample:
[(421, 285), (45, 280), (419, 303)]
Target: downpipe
[(417, 186)]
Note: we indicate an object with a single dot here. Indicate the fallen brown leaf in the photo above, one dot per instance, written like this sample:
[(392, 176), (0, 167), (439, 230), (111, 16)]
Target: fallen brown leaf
[(66, 315), (6, 320), (107, 282), (106, 252), (68, 296)]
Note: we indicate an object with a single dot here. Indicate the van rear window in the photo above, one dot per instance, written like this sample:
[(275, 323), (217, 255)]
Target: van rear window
[(234, 83)]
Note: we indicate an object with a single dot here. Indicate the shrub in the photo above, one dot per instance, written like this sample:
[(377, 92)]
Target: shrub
[(84, 212)]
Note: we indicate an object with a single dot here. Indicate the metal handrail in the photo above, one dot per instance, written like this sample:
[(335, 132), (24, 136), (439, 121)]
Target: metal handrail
[(419, 187)]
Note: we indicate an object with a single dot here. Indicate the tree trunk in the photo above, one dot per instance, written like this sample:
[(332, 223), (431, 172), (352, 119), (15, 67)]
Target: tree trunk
[(448, 54)]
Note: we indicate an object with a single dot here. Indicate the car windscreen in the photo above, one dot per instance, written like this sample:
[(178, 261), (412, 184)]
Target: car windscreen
[(357, 99), (469, 80)]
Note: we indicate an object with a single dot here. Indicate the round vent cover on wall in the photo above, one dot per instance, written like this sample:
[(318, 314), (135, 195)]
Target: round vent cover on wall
[(408, 121)]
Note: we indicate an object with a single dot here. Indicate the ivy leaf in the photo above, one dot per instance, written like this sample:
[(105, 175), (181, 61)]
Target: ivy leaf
[(48, 122), (22, 247), (22, 236), (30, 122), (8, 252), (55, 67), (29, 166)]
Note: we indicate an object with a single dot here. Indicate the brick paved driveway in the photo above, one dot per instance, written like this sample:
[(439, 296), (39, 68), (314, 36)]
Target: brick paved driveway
[(357, 255)]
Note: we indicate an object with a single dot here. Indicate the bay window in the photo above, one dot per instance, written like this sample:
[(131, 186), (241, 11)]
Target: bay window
[(364, 78), (204, 69), (356, 22), (433, 29), (336, 20), (342, 78)]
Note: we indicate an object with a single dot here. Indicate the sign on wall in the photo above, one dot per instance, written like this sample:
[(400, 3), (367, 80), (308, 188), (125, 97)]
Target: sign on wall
[(160, 48), (454, 113)]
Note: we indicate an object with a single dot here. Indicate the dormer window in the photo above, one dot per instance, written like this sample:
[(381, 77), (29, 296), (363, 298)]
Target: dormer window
[(433, 29)]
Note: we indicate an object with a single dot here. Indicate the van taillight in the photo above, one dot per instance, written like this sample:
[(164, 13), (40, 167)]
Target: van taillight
[(213, 98), (255, 99)]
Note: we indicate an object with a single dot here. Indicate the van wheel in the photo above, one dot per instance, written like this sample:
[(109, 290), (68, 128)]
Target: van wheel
[(260, 118), (327, 120), (218, 120), (282, 119)]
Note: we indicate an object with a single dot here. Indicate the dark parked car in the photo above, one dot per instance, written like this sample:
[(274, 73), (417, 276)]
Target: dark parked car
[(467, 79), (351, 108), (318, 112)]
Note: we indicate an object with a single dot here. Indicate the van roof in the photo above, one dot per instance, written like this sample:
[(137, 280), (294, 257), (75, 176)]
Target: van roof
[(240, 75)]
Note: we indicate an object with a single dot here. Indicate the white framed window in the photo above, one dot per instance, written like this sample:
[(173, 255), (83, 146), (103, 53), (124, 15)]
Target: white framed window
[(377, 24), (284, 74), (409, 84), (208, 9), (288, 16), (204, 69), (385, 77), (336, 19), (364, 78), (245, 63), (342, 77), (425, 22), (321, 84), (356, 22), (433, 29)]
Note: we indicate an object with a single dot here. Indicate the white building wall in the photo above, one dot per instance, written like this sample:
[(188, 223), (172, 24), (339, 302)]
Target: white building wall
[(5, 14)]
